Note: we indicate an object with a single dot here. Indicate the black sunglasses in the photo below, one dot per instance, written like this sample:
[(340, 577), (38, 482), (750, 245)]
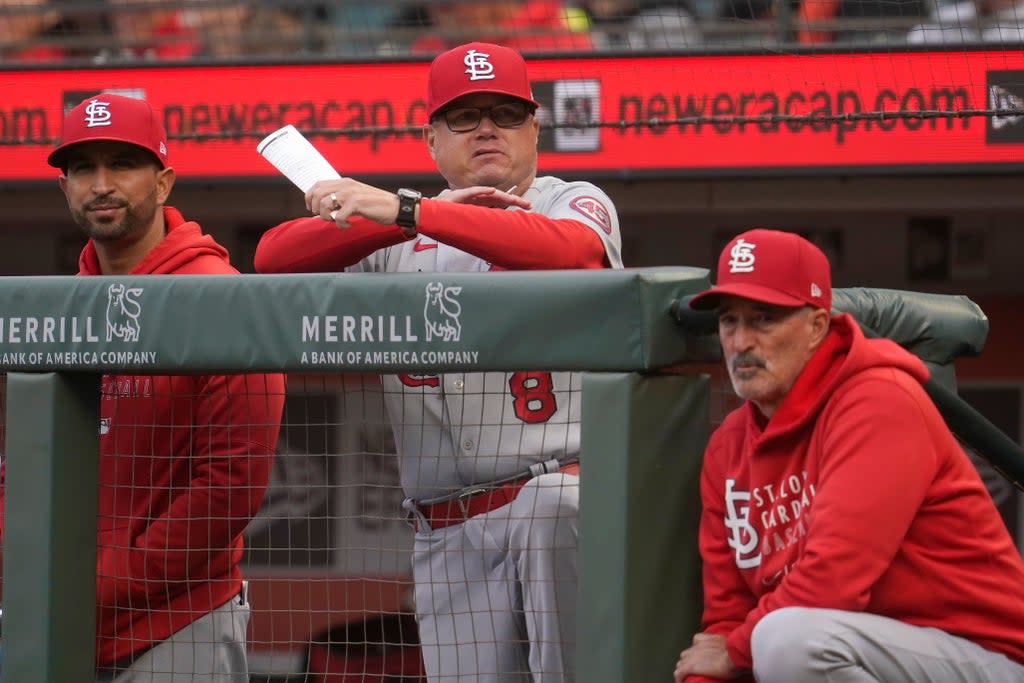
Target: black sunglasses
[(504, 115)]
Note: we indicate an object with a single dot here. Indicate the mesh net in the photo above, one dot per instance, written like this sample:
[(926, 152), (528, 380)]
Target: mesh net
[(327, 556)]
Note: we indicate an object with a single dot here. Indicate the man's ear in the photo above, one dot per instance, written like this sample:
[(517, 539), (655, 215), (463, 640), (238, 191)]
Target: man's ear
[(430, 137), (164, 182), (820, 322)]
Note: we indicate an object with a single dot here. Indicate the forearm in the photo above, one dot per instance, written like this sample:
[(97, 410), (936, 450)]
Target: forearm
[(200, 524), (512, 240), (313, 245)]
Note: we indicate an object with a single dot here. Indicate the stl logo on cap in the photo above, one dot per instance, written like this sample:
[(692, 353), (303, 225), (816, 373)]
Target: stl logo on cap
[(477, 66), (742, 257), (97, 114)]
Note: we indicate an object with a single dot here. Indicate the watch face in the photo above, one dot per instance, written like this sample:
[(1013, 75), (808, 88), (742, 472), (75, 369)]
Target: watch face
[(407, 201)]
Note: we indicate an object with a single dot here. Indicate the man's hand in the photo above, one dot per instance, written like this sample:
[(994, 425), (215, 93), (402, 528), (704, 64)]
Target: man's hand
[(338, 200), (706, 657), (481, 195)]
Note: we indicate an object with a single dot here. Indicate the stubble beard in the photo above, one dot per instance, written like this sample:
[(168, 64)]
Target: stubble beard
[(134, 220)]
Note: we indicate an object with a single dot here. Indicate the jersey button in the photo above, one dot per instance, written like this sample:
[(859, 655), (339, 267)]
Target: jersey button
[(459, 384), (467, 445)]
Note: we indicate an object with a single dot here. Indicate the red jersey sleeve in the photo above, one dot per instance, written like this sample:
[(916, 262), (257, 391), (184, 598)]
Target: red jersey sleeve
[(313, 245), (512, 240)]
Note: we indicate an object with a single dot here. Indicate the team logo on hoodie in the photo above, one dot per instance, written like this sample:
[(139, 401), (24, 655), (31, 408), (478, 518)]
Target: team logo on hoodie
[(744, 538), (123, 309)]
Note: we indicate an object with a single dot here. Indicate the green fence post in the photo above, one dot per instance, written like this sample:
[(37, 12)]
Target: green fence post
[(642, 441), (52, 460)]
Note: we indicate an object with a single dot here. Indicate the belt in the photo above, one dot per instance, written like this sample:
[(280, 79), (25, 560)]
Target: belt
[(477, 501)]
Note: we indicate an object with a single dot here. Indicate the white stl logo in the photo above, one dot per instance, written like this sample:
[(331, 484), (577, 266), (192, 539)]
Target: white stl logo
[(123, 309), (441, 312), (477, 66), (742, 257), (97, 114), (737, 519)]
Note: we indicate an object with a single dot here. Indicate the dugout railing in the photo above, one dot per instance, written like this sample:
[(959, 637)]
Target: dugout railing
[(643, 433), (645, 415)]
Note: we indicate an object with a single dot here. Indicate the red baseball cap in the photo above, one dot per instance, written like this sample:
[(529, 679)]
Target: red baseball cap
[(112, 117), (473, 68), (772, 267)]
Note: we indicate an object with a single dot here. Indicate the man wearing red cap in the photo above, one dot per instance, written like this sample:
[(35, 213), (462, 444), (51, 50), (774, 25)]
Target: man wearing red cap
[(488, 461), (184, 460), (845, 535)]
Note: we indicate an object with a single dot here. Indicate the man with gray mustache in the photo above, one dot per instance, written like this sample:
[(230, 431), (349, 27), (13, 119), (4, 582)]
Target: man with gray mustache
[(845, 536)]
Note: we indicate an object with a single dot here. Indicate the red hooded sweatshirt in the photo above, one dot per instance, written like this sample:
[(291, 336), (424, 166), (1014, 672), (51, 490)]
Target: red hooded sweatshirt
[(854, 496), (184, 464)]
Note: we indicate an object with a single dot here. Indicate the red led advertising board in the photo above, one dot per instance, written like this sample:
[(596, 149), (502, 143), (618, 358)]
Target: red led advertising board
[(678, 115)]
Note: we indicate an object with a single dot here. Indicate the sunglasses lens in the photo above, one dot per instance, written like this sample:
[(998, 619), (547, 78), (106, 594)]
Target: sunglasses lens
[(508, 115), (462, 120), (465, 119)]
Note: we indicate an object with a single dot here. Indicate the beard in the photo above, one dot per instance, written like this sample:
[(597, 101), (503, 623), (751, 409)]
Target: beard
[(134, 219)]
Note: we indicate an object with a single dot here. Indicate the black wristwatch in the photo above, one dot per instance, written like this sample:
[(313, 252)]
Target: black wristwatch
[(408, 200)]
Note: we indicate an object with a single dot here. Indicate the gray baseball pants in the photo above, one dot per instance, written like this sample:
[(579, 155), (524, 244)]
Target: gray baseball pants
[(209, 650), (805, 645), (496, 594)]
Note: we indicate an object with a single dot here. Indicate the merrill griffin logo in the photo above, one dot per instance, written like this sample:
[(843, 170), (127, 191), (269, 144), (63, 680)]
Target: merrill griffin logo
[(123, 309), (1005, 91), (441, 312), (371, 340)]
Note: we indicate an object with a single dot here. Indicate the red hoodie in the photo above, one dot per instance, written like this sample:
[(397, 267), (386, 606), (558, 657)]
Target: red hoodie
[(854, 496), (184, 463)]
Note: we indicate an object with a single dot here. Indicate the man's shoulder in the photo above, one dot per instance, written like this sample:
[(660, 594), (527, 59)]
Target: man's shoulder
[(206, 264), (550, 193), (882, 388), (550, 183)]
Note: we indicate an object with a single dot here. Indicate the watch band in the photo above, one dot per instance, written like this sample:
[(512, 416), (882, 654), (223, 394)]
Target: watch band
[(408, 200)]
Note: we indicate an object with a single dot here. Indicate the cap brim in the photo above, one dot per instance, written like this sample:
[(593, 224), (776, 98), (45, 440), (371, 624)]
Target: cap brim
[(483, 91), (58, 157), (710, 298)]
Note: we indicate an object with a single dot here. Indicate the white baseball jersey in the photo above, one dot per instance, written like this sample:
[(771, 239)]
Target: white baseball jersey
[(458, 429)]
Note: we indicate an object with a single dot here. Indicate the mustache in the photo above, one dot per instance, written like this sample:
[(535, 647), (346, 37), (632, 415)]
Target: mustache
[(105, 203), (747, 359)]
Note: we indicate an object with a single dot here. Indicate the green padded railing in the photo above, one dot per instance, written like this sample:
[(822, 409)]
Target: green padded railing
[(642, 434)]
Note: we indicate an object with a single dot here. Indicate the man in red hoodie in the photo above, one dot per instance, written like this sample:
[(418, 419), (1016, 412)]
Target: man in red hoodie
[(184, 460), (845, 535)]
